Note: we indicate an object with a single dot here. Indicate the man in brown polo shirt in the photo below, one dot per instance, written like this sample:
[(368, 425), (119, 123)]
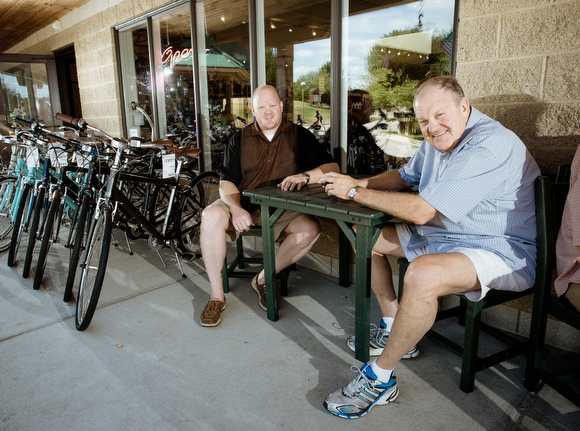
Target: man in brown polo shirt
[(270, 151)]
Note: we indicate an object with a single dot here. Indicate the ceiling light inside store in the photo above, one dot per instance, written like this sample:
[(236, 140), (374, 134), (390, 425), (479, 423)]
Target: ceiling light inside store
[(223, 19)]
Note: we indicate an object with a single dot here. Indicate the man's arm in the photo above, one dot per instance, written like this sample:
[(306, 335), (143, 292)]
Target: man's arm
[(231, 196), (297, 181), (388, 180), (407, 206)]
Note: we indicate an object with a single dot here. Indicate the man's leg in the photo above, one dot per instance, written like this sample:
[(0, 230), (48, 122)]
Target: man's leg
[(427, 279), (214, 223), (388, 244), (301, 234)]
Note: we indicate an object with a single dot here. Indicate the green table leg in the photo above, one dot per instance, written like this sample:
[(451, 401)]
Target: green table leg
[(269, 256), (343, 259), (364, 245)]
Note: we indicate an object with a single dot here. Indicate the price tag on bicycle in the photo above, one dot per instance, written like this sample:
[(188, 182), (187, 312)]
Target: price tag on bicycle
[(81, 160), (168, 165), (32, 158), (58, 157)]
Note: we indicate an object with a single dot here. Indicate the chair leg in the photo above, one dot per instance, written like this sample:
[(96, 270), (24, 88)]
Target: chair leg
[(469, 365), (536, 344), (240, 251), (284, 281), (225, 280), (403, 264)]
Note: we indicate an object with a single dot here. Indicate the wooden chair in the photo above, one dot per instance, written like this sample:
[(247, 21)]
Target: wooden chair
[(469, 312), (235, 268), (546, 304)]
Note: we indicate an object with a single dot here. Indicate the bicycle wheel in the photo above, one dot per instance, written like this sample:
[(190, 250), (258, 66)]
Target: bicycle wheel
[(75, 254), (159, 203), (94, 267), (17, 227), (7, 194), (33, 233), (160, 198), (47, 237), (136, 192), (203, 190)]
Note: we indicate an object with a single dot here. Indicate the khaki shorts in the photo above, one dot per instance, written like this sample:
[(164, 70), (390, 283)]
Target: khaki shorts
[(283, 222)]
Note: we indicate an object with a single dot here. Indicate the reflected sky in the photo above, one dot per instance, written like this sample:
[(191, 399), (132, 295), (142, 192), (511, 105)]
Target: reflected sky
[(365, 29)]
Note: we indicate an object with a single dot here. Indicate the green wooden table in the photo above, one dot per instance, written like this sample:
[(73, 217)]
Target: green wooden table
[(314, 201)]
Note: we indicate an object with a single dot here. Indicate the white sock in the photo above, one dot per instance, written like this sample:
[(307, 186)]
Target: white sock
[(389, 322), (382, 374)]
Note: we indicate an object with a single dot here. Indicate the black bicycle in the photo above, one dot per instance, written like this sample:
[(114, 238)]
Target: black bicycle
[(179, 230)]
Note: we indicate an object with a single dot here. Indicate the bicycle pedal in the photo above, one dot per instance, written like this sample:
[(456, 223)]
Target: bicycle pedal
[(187, 257)]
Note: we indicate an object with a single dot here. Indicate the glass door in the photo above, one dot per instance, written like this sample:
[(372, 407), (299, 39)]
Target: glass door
[(136, 77), (298, 60), (29, 88), (224, 68)]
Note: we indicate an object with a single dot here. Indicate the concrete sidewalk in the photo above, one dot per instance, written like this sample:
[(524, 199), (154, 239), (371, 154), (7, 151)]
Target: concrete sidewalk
[(145, 363)]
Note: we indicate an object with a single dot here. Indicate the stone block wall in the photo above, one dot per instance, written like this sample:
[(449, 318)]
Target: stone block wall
[(518, 62)]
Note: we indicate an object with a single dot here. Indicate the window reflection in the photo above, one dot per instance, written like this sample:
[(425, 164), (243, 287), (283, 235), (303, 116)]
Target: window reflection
[(298, 59), (25, 92), (390, 51), (136, 75), (227, 69), (174, 73)]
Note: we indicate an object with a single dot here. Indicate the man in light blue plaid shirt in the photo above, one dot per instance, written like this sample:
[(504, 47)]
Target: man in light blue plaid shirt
[(472, 228)]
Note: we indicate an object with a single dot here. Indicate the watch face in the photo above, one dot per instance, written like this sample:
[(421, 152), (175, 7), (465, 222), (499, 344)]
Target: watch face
[(352, 193)]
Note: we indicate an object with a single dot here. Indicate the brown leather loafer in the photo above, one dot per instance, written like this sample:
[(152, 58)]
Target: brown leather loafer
[(212, 313), (261, 291)]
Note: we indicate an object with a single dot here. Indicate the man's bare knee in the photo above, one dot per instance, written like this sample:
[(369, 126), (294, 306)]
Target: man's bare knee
[(440, 274), (213, 217)]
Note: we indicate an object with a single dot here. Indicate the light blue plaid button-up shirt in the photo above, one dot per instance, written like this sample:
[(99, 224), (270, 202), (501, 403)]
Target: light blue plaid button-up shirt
[(484, 192)]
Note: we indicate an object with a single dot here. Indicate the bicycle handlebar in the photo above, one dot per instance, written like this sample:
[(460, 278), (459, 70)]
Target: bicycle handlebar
[(77, 122), (39, 128), (82, 124), (5, 129)]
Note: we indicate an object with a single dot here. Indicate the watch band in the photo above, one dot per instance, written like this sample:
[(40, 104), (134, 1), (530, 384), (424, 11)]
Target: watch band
[(307, 176)]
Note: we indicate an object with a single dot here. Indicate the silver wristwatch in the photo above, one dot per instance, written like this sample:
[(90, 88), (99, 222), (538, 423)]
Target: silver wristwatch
[(352, 192)]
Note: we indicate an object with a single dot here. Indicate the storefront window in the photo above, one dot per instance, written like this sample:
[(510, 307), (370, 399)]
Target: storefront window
[(174, 72), (136, 77), (386, 51), (298, 60), (225, 71), (390, 51), (25, 92)]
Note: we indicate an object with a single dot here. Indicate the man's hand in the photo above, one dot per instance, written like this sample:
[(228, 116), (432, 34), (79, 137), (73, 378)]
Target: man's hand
[(292, 182), (241, 220), (337, 184)]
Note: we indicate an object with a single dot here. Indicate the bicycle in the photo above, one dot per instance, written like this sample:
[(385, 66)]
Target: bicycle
[(22, 206), (181, 239)]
